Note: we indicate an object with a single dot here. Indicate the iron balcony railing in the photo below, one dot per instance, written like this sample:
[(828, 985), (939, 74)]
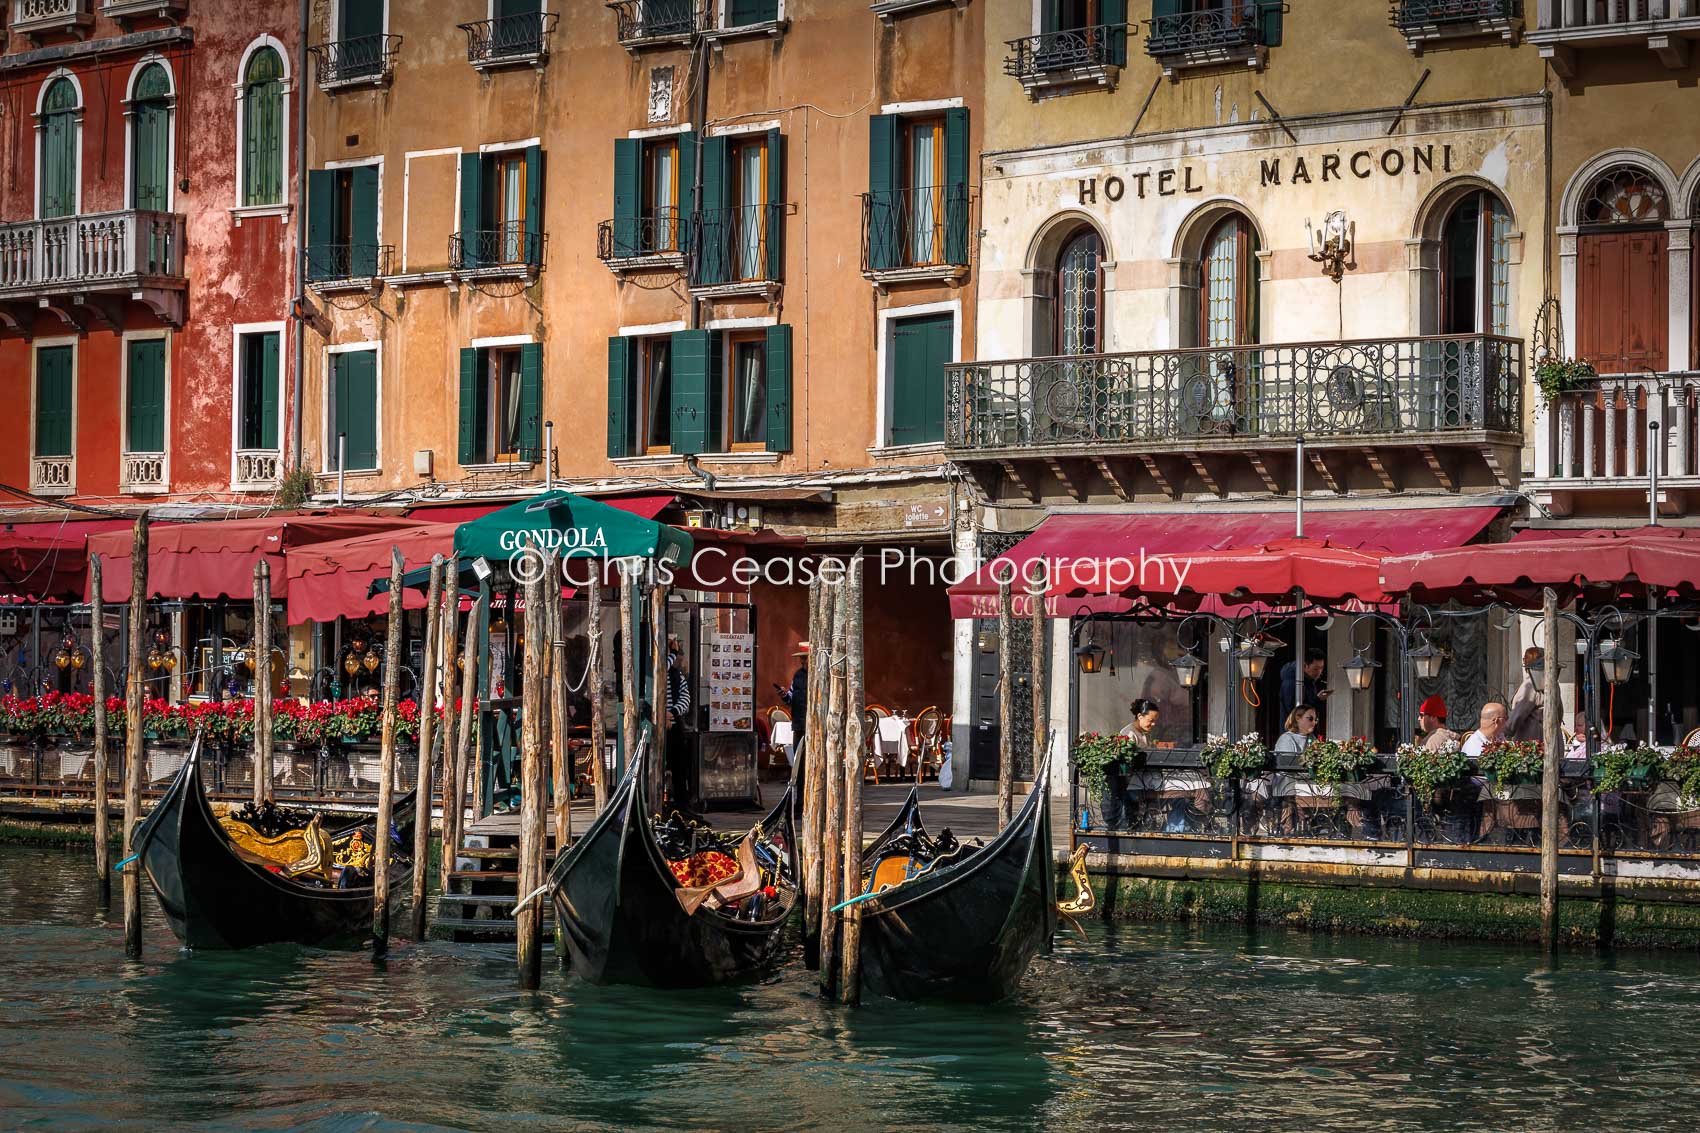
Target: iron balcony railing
[(1068, 49), (505, 246), (1470, 383), (642, 21), (521, 37), (737, 245), (1223, 28), (660, 232), (117, 249), (363, 59), (331, 263), (1413, 15), (915, 228), (1597, 435)]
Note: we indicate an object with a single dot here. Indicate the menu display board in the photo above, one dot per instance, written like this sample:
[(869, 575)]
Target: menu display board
[(731, 682)]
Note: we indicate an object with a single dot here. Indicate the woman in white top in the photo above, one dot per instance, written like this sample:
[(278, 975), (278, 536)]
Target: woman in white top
[(1301, 730)]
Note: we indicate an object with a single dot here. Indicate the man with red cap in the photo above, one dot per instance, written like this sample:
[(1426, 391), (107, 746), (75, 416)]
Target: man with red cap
[(1431, 718)]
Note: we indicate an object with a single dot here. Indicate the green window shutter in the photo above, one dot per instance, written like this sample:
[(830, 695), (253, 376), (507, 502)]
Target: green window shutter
[(715, 237), (1160, 8), (53, 408), (357, 407), (268, 376), (775, 219), (1272, 13), (1048, 16), (1114, 15), (693, 400), (144, 416), (531, 400), (471, 208), (921, 348), (363, 210), (778, 389), (628, 196), (687, 185), (321, 208), (956, 185), (622, 355), (742, 12), (150, 156), (362, 18), (885, 207), (533, 250), (59, 154), (470, 448)]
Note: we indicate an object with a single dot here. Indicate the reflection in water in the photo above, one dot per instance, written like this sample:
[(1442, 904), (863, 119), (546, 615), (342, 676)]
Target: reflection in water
[(1137, 1027)]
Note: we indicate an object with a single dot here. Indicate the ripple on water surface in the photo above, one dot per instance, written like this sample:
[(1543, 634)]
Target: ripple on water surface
[(1134, 1027)]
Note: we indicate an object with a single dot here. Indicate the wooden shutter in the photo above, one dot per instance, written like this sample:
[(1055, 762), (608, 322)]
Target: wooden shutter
[(531, 401), (533, 250), (470, 449), (778, 364), (1113, 15), (628, 196), (149, 154), (921, 348), (362, 18), (885, 213), (1272, 14), (1048, 14), (53, 407), (268, 346), (687, 186), (622, 372), (59, 178), (321, 209), (773, 221), (363, 213), (693, 396), (714, 244), (956, 185), (357, 407), (144, 415), (1621, 283)]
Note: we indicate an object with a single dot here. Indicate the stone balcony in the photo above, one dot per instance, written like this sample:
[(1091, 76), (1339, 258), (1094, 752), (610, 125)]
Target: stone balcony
[(1565, 28), (1592, 445), (87, 268), (38, 18)]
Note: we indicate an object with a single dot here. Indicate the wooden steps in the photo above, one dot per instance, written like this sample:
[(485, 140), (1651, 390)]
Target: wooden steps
[(483, 890)]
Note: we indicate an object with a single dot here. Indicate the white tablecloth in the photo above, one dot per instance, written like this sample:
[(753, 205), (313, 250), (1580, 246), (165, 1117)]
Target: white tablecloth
[(782, 735), (893, 738)]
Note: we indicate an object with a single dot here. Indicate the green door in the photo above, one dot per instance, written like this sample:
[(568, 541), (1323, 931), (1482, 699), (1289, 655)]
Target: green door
[(355, 409), (259, 391), (150, 140), (59, 151), (360, 46), (144, 415), (53, 406), (921, 348)]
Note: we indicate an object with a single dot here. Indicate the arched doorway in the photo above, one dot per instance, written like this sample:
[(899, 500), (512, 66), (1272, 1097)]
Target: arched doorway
[(1622, 280), (1080, 293)]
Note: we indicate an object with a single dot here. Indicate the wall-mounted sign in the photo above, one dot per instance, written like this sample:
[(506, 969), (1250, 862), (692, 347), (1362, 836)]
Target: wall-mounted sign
[(1304, 169)]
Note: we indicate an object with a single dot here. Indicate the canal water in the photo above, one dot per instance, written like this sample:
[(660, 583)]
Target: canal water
[(1131, 1027)]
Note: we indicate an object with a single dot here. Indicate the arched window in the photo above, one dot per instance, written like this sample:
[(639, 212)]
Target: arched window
[(1080, 294), (150, 140), (1623, 277), (262, 129), (59, 172), (1228, 295), (1475, 267)]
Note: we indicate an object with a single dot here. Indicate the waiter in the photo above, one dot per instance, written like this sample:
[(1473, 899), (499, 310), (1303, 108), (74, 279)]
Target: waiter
[(798, 698), (681, 790)]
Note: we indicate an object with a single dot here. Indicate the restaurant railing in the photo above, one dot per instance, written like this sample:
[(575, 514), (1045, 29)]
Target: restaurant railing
[(1598, 434), (915, 228), (641, 21), (524, 36), (1384, 386), (1412, 15)]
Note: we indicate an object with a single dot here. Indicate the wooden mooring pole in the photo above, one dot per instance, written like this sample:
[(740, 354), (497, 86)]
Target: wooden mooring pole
[(837, 759), (1006, 704), (533, 705), (422, 783), (659, 700), (454, 809), (386, 774), (450, 617), (560, 754), (1552, 739), (629, 691), (1041, 696), (262, 657), (593, 679), (133, 757), (813, 785), (97, 658), (855, 686)]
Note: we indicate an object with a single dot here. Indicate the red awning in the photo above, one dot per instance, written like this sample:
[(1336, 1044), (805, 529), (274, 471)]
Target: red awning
[(644, 507), (1602, 566), (207, 560), (1133, 537), (332, 578), (1266, 573), (48, 562)]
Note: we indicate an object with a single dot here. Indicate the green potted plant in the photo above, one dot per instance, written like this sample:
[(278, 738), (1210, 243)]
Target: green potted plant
[(1561, 375), (1238, 759), (1620, 767), (1681, 767), (1508, 763), (1095, 754), (1333, 762), (1431, 771)]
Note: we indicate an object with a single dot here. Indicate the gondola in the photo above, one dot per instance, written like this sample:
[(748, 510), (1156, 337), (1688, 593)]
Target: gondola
[(624, 912), (957, 923), (216, 893)]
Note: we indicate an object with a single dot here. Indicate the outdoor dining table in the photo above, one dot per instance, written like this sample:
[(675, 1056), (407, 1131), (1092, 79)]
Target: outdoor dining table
[(891, 740), (783, 736)]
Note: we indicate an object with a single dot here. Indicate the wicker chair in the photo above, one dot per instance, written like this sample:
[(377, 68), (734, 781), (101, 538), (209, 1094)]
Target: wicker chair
[(926, 741)]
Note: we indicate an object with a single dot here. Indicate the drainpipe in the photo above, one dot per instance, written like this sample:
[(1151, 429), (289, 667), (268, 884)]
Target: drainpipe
[(299, 308), (700, 114)]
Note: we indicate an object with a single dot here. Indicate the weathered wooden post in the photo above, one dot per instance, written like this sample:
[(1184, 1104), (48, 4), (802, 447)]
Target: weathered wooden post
[(593, 680), (465, 733), (813, 746), (386, 776), (1552, 740), (629, 692), (97, 658), (560, 755), (1041, 698), (262, 657), (837, 759), (659, 700), (855, 688), (1006, 705), (133, 757), (450, 617), (528, 919), (427, 748)]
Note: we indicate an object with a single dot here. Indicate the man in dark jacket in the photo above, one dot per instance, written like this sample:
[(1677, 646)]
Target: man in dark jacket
[(680, 761), (799, 698), (1315, 662)]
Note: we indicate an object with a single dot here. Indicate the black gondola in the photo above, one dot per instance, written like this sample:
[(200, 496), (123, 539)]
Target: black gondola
[(215, 897), (618, 902), (967, 927)]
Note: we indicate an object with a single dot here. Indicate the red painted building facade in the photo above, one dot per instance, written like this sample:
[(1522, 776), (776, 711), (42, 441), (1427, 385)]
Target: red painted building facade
[(147, 236)]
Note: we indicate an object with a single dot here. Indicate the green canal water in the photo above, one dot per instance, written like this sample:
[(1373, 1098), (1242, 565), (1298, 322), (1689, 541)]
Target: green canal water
[(1133, 1027)]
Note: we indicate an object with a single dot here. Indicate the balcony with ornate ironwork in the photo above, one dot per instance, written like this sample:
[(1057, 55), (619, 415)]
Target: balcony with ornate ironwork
[(1237, 32), (348, 267), (1565, 27), (738, 250), (88, 268), (505, 250), (1390, 414), (655, 23), (367, 60), (39, 18), (1424, 23), (657, 240), (915, 234), (1593, 444), (1068, 57), (510, 41), (128, 10), (142, 473)]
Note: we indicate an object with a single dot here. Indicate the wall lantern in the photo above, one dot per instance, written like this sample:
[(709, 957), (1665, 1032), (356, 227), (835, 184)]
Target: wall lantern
[(1253, 657), (1360, 672), (1188, 670), (1333, 245), (1089, 656), (1616, 661), (1425, 660)]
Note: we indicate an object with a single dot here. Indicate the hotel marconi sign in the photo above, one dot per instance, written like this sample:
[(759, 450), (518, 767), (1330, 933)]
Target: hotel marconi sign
[(1306, 169)]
